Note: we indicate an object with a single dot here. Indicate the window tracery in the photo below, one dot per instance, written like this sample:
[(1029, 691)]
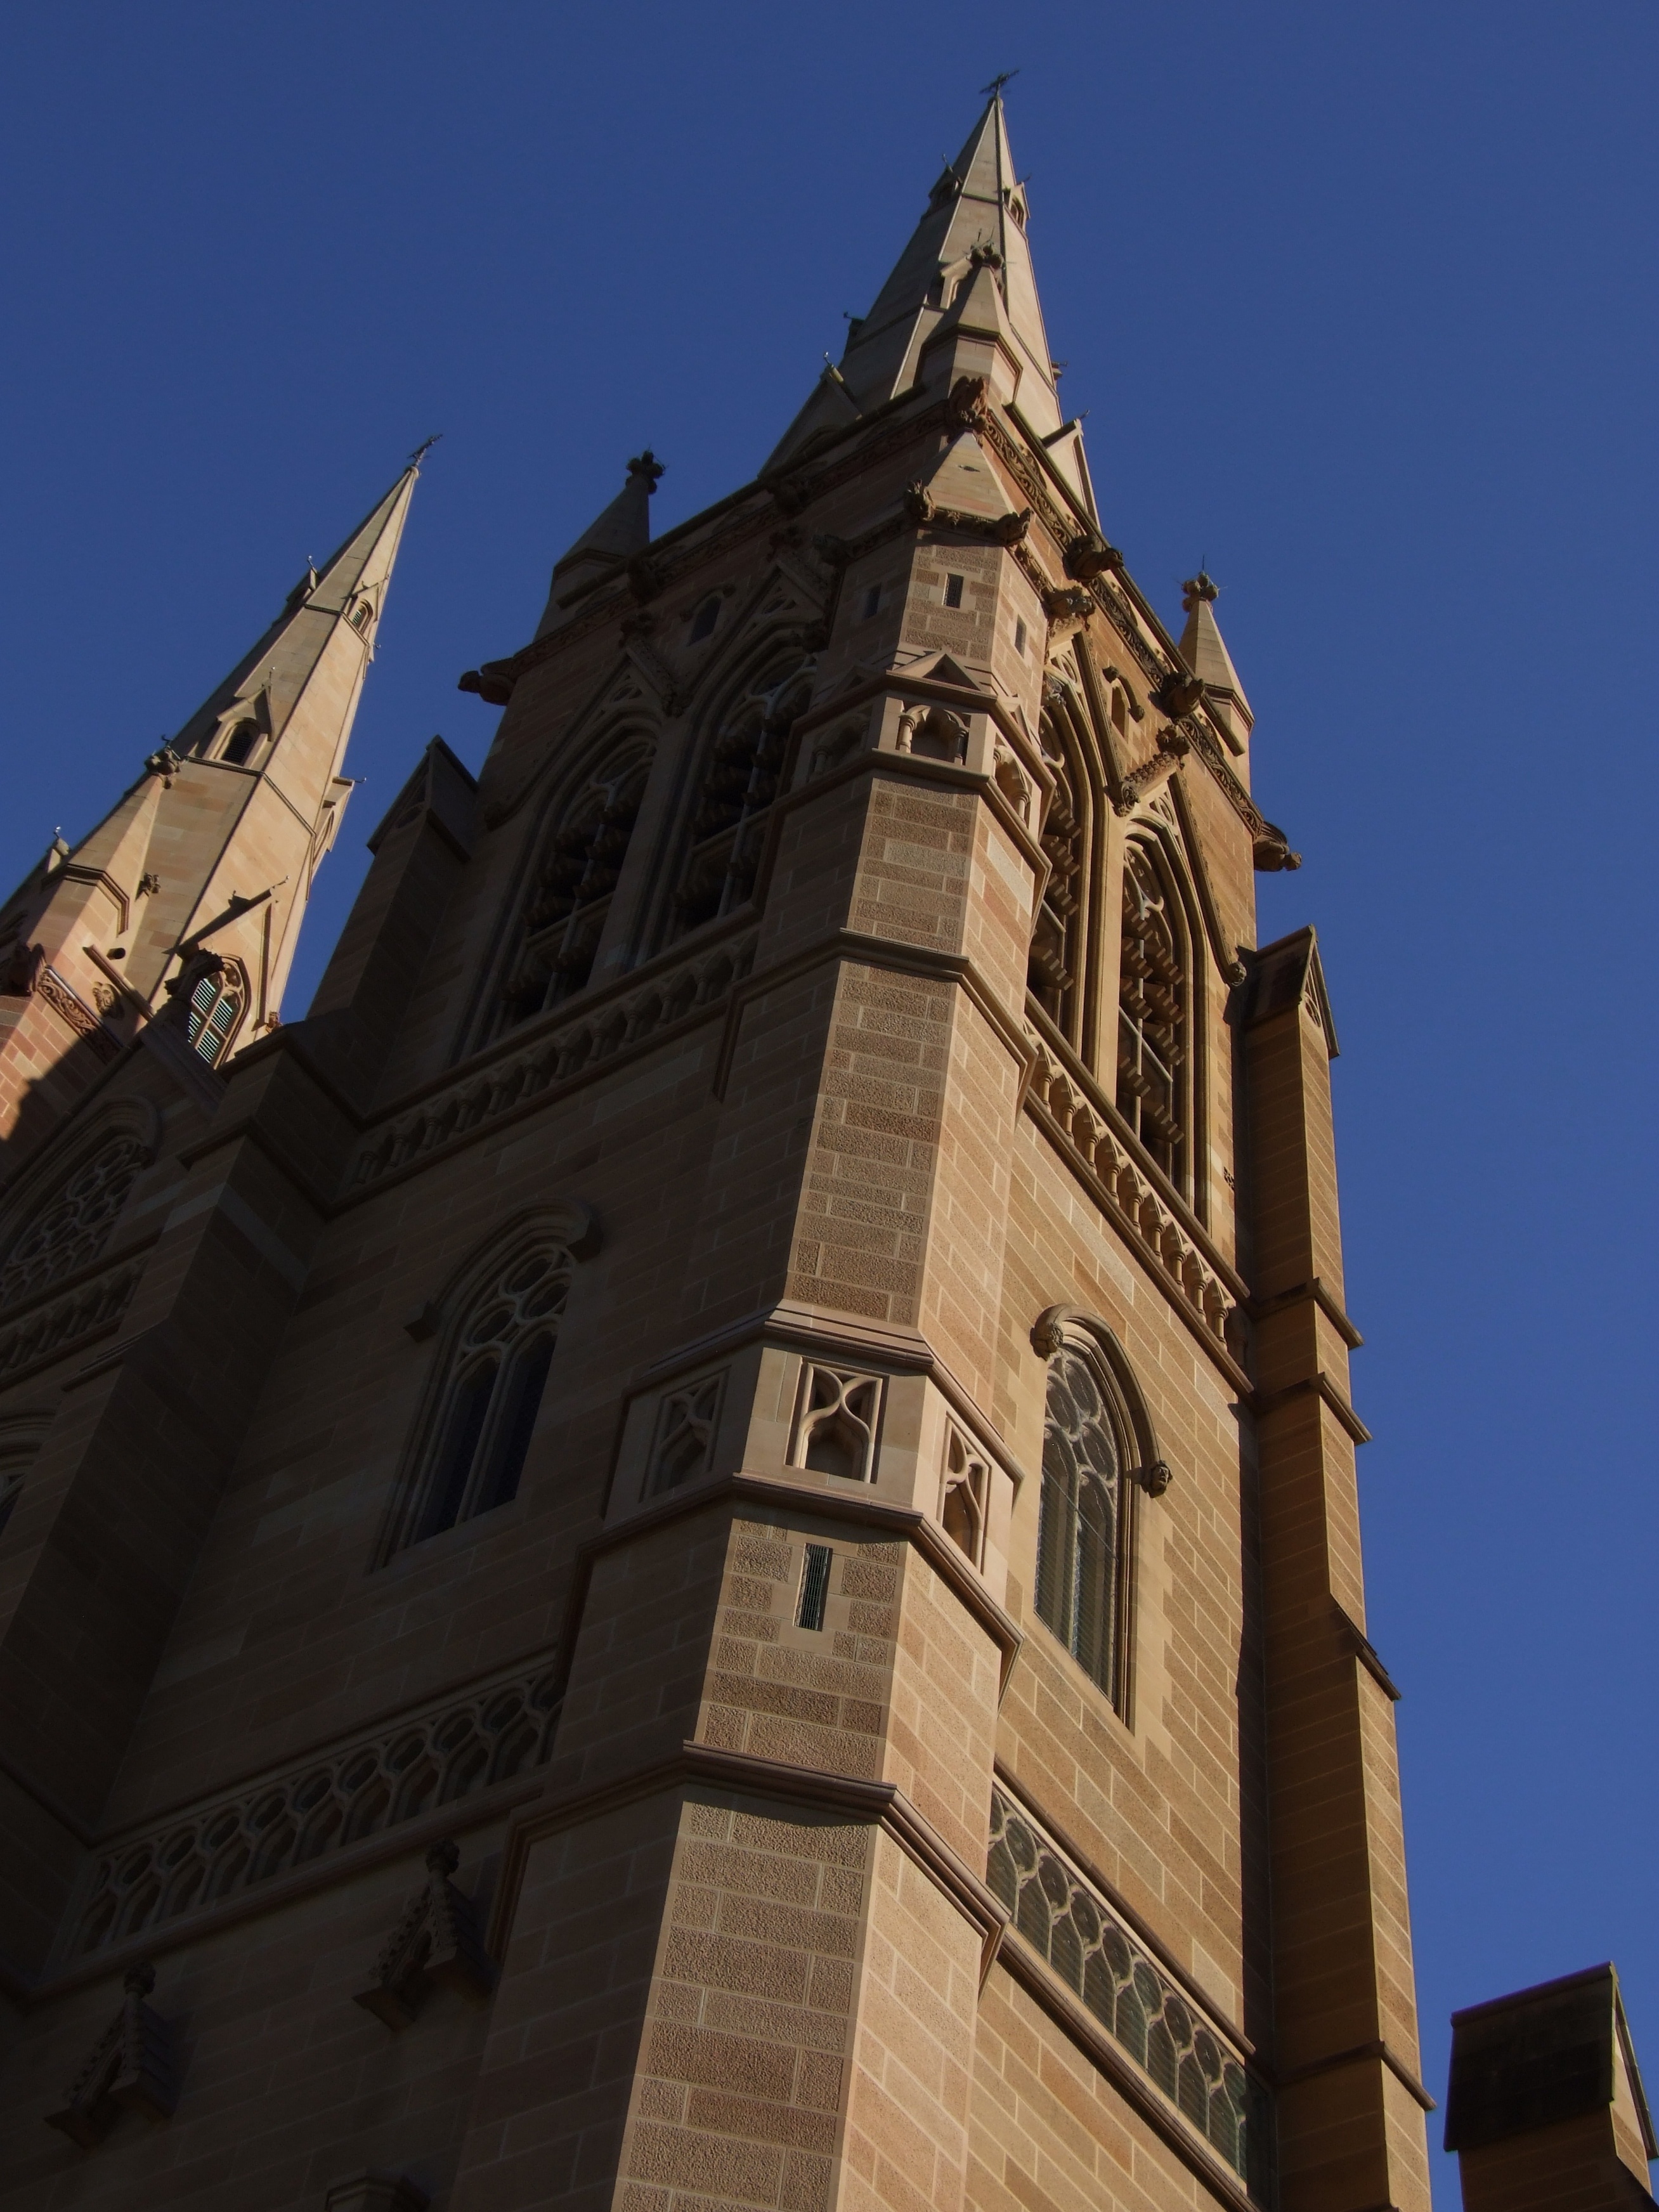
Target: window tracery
[(1053, 960), (73, 1226), (495, 1374), (739, 777), (1153, 1089), (569, 897), (1081, 1512)]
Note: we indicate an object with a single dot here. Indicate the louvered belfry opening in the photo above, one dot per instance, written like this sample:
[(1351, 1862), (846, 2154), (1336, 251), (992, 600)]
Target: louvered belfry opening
[(1153, 1089), (1055, 958), (740, 777), (570, 896)]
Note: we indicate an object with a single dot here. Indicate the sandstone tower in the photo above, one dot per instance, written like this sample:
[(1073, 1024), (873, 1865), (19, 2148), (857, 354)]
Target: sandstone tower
[(698, 1547)]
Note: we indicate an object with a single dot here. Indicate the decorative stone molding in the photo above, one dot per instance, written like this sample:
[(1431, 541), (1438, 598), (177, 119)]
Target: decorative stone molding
[(366, 1786), (131, 2069), (687, 1419), (70, 1227), (68, 1004), (837, 1422), (558, 1059), (65, 1324), (1072, 1929), (434, 1945), (1072, 1114)]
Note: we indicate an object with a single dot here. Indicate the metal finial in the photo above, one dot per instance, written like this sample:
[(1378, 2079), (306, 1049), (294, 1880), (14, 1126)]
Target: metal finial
[(994, 90), (423, 448)]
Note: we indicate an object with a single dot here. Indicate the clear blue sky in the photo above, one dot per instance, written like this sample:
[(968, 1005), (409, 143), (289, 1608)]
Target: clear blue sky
[(1360, 302)]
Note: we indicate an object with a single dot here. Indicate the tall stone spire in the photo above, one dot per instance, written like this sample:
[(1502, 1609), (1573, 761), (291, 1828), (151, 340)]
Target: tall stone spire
[(209, 857), (969, 260)]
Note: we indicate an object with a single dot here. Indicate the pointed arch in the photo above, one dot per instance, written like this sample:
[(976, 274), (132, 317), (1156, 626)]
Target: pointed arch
[(562, 899), (736, 767), (1099, 1452), (1159, 1087), (496, 1322), (1063, 960)]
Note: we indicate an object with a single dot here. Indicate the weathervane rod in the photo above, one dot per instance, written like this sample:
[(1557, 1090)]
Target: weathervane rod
[(424, 447), (994, 88)]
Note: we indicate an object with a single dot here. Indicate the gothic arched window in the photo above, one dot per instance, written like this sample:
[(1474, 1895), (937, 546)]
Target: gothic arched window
[(495, 1370), (574, 873), (238, 746), (1154, 1090), (1060, 965), (216, 998), (739, 778), (1053, 961), (1081, 1546), (73, 1225)]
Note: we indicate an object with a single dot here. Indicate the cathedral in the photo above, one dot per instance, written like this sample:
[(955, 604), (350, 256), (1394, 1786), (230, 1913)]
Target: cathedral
[(697, 1548)]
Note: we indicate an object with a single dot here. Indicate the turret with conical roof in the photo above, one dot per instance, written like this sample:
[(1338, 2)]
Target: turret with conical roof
[(1205, 651), (201, 872)]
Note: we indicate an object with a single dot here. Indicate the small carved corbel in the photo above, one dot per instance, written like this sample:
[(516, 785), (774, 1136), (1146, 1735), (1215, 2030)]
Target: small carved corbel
[(793, 494), (1178, 694), (435, 1944), (645, 578), (1090, 556), (21, 971), (1154, 1478), (164, 762), (919, 503), (968, 407), (130, 2068), (1066, 603), (1012, 529), (1272, 850)]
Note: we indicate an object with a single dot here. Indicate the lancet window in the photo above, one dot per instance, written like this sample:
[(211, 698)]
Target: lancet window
[(571, 883), (74, 1224), (494, 1372), (739, 778), (1154, 1013), (1056, 957), (1081, 1514)]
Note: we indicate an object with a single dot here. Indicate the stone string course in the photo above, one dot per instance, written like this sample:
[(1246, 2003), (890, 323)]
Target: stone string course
[(557, 1057), (321, 1805)]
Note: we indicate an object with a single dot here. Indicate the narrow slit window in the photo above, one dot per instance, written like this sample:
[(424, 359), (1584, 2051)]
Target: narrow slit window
[(1019, 637), (814, 1587), (872, 601), (953, 591), (703, 622)]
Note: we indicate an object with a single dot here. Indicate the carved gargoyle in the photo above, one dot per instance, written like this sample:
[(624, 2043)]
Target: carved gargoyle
[(435, 1944), (968, 407), (131, 2069)]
